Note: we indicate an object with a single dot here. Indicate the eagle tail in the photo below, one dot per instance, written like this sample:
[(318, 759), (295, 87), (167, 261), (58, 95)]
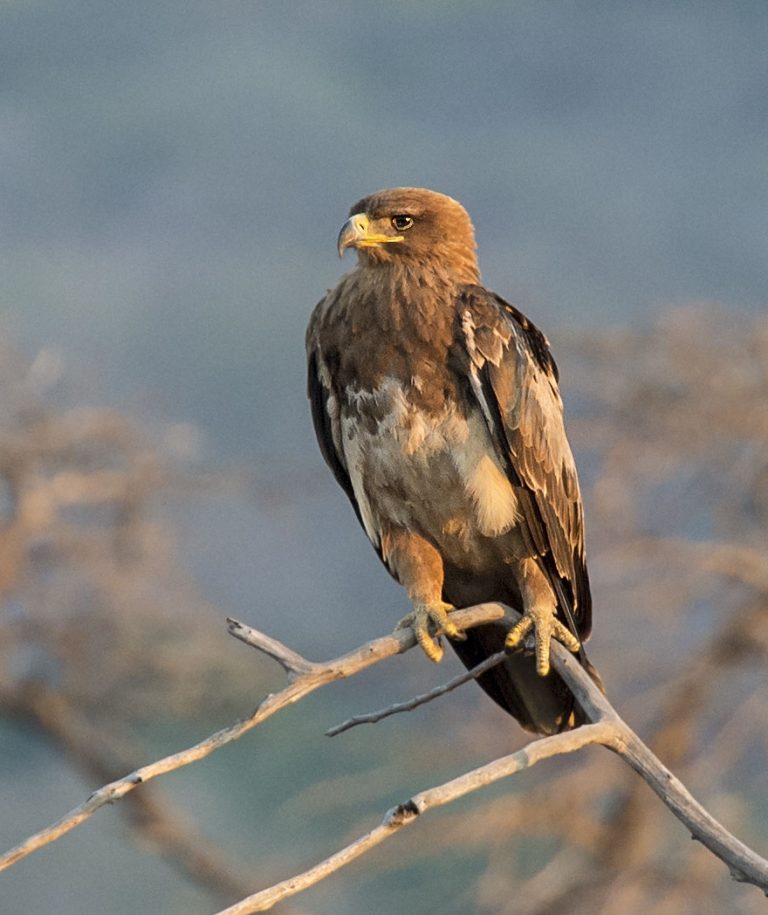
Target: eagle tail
[(543, 705)]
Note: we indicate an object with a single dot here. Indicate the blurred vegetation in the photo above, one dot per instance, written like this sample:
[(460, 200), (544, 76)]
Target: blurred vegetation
[(101, 628), (104, 632), (173, 177)]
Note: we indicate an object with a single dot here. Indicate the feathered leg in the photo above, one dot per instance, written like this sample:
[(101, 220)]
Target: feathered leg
[(418, 566), (540, 616)]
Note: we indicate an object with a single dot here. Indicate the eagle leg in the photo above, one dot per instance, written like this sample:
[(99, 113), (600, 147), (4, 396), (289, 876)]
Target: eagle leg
[(418, 566), (429, 622), (539, 616)]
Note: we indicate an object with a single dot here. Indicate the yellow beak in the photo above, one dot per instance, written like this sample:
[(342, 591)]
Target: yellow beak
[(356, 233)]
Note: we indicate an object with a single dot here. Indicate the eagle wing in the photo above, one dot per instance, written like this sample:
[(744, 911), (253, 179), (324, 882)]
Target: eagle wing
[(325, 402), (514, 380)]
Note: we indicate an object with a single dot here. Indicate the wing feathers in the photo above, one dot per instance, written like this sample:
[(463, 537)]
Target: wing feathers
[(514, 380)]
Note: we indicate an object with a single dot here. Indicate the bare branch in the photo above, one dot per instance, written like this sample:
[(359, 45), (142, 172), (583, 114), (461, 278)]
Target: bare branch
[(410, 704), (152, 818), (607, 729), (291, 662), (405, 814), (315, 676)]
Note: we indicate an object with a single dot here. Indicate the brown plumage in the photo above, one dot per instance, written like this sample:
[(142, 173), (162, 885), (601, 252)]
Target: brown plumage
[(437, 408)]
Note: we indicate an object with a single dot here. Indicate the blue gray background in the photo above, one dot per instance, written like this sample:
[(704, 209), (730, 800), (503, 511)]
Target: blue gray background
[(173, 177)]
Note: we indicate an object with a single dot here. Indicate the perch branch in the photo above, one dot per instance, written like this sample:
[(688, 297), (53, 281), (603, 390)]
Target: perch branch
[(304, 677), (606, 729)]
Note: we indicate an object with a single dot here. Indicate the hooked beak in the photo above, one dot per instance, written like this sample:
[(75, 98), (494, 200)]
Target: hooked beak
[(356, 233)]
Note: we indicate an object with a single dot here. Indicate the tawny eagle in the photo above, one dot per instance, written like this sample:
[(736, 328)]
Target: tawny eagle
[(436, 406)]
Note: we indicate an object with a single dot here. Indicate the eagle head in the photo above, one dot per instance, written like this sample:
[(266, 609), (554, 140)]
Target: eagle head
[(413, 226)]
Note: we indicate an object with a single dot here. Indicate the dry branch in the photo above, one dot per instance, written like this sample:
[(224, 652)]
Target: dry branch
[(606, 729), (152, 818), (304, 677), (405, 814), (410, 704)]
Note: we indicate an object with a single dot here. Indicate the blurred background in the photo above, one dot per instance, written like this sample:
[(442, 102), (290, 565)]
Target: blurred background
[(173, 178)]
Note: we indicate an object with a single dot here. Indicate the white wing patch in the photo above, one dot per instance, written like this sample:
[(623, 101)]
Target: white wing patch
[(485, 482), (494, 498)]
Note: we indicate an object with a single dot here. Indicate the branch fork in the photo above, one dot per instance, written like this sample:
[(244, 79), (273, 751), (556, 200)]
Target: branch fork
[(604, 727)]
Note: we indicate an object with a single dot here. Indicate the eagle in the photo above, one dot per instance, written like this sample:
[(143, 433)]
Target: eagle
[(436, 406)]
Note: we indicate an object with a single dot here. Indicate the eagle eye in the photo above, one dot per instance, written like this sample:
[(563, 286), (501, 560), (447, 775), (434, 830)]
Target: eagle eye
[(402, 222)]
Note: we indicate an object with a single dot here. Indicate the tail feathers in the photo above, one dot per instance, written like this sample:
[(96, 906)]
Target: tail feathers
[(543, 705)]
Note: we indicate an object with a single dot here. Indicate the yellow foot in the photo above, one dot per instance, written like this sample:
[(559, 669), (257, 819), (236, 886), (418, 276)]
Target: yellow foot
[(429, 622), (546, 626)]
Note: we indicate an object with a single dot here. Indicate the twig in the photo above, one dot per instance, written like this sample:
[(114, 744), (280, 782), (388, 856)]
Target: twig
[(606, 729), (410, 704), (291, 662), (405, 814), (311, 677), (152, 818)]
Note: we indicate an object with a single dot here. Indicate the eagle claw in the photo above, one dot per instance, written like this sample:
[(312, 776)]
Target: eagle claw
[(429, 622), (546, 626)]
